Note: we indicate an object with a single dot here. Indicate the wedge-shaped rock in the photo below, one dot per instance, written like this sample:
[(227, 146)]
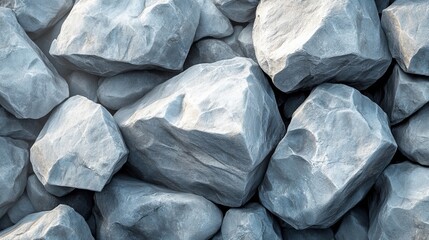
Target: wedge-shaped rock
[(354, 225), (106, 37), (80, 146), (301, 44), (13, 171), (238, 10), (246, 42), (408, 36), (126, 88), (30, 87), (337, 144), (252, 221), (209, 51), (404, 94), (412, 136), (207, 131), (308, 234), (137, 210), (399, 207), (61, 223), (38, 16), (212, 22), (83, 84), (25, 129)]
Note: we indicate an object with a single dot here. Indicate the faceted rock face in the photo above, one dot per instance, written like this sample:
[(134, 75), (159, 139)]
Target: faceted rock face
[(37, 16), (83, 84), (20, 209), (399, 209), (238, 10), (252, 221), (80, 146), (25, 129), (233, 42), (404, 94), (209, 51), (412, 137), (212, 22), (102, 41), (186, 136), (308, 234), (61, 223), (126, 88), (337, 144), (246, 42), (354, 225), (13, 171), (30, 87), (131, 209), (408, 37), (301, 44)]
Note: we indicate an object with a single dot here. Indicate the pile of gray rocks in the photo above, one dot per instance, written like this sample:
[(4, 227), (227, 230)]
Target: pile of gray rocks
[(214, 119)]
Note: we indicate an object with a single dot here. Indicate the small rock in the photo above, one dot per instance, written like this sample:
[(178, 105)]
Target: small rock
[(238, 10), (209, 51), (212, 22), (233, 42), (136, 210), (354, 225), (245, 40), (80, 146), (308, 234), (20, 209), (337, 144), (83, 84), (5, 222), (24, 129)]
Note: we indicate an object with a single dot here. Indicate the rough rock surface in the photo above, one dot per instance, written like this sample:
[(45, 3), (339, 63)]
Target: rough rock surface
[(246, 42), (404, 94), (337, 144), (308, 234), (101, 37), (408, 36), (25, 129), (13, 171), (61, 223), (209, 51), (20, 209), (354, 224), (399, 209), (134, 209), (83, 84), (320, 41), (126, 88), (30, 87), (238, 10), (212, 22), (80, 146), (412, 136), (252, 221), (198, 152)]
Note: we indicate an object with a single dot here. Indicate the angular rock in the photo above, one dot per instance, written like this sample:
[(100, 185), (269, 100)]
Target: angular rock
[(24, 129), (30, 87), (337, 144), (233, 42), (408, 37), (212, 22), (21, 209), (246, 42), (252, 221), (412, 136), (83, 84), (13, 171), (126, 88), (61, 223), (399, 209), (354, 225), (35, 17), (301, 44), (404, 94), (238, 10), (178, 136), (80, 200), (136, 35), (209, 51), (308, 234), (137, 210), (80, 146)]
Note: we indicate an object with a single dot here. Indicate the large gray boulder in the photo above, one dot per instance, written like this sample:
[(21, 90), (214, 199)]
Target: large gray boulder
[(252, 222), (337, 144), (301, 44), (406, 24), (38, 16), (13, 171), (30, 87), (131, 209), (212, 22), (399, 207), (136, 35), (25, 129), (412, 136), (404, 94), (83, 84), (80, 146), (206, 131), (238, 10), (126, 88), (354, 225), (61, 223)]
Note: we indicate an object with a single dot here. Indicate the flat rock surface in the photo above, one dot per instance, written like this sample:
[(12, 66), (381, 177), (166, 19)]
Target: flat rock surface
[(354, 225), (80, 146), (25, 129), (207, 131), (60, 223), (337, 144), (320, 41), (20, 209), (232, 40), (83, 84), (102, 37), (212, 22), (245, 40), (209, 51), (30, 87), (399, 207), (134, 209), (238, 10), (408, 37)]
